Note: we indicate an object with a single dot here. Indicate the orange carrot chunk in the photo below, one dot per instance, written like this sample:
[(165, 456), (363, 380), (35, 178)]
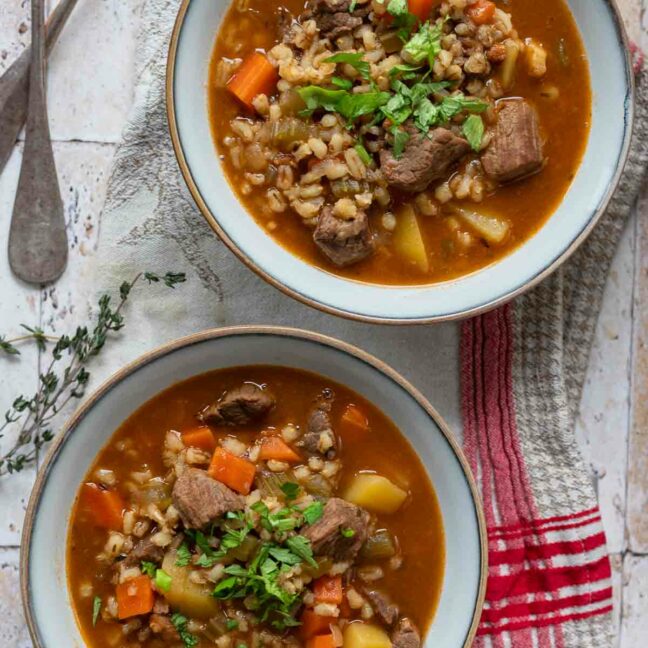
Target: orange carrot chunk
[(134, 597), (273, 447), (200, 437), (420, 8), (313, 624), (255, 76), (328, 589), (481, 12), (322, 641), (105, 507), (354, 420), (233, 471)]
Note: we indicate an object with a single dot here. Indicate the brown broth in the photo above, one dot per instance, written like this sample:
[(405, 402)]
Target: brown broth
[(415, 587), (527, 204)]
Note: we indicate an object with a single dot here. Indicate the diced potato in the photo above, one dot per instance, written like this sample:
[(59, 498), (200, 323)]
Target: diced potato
[(190, 598), (407, 239), (536, 58), (363, 635), (510, 62), (375, 493), (493, 229)]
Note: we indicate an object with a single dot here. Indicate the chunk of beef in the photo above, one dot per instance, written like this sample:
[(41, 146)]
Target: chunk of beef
[(163, 626), (144, 550), (333, 17), (425, 158), (326, 534), (201, 500), (332, 26), (344, 242), (383, 607), (515, 150), (406, 635), (239, 406), (320, 437)]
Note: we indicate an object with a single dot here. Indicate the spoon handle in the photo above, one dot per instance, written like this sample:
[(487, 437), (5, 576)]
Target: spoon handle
[(14, 84), (37, 238)]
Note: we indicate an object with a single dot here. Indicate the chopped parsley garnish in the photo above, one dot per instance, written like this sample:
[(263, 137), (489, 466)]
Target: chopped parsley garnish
[(355, 60), (162, 581), (347, 533), (350, 106), (290, 490), (345, 84), (282, 520), (366, 158), (473, 131), (231, 624), (183, 555), (148, 568), (180, 623), (96, 609), (301, 546), (401, 137), (404, 21), (425, 45), (352, 6), (313, 512)]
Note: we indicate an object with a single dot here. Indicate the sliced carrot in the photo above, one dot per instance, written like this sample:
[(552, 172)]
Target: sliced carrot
[(273, 447), (313, 624), (328, 589), (233, 471), (354, 420), (105, 507), (134, 597), (420, 8), (481, 12), (200, 437), (321, 641), (255, 76)]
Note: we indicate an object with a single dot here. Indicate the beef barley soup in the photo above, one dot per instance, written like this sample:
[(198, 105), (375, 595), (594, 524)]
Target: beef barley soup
[(400, 141), (256, 506)]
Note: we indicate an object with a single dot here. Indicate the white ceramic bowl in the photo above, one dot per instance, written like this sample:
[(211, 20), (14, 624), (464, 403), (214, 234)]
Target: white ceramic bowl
[(46, 598), (612, 86)]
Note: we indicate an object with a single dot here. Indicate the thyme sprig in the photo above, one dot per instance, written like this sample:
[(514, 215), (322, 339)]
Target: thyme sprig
[(66, 376)]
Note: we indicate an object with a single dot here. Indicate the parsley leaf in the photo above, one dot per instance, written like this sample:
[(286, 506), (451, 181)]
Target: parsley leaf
[(404, 21), (401, 137), (425, 44), (148, 568), (313, 512), (183, 555), (473, 130), (96, 609), (345, 84), (355, 60), (231, 624), (366, 158), (350, 106), (454, 104), (285, 556), (290, 490), (180, 623), (347, 533), (301, 547), (162, 581)]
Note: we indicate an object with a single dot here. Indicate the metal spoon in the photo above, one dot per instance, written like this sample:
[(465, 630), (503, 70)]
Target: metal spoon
[(38, 247), (14, 83)]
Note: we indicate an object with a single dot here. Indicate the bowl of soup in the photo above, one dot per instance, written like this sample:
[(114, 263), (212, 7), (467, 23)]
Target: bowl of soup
[(255, 486), (400, 162)]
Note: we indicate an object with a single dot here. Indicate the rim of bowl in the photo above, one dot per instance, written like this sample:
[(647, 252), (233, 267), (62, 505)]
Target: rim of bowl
[(216, 333), (309, 300)]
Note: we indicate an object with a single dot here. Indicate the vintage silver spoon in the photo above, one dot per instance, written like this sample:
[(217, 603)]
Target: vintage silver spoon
[(14, 83), (38, 248)]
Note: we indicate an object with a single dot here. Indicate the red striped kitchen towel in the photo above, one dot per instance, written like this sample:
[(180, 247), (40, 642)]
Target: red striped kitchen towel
[(523, 367)]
